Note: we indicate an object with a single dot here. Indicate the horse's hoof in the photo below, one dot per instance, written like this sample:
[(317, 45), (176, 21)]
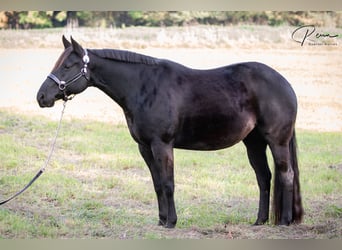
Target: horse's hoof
[(284, 223), (170, 225), (161, 223), (260, 222)]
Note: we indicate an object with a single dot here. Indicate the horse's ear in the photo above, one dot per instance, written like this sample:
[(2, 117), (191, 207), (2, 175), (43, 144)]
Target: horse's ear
[(66, 43), (77, 48)]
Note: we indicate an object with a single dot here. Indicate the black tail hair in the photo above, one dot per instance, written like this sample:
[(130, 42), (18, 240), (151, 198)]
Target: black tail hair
[(297, 208)]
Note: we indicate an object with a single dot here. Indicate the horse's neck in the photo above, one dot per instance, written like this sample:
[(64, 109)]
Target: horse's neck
[(119, 80)]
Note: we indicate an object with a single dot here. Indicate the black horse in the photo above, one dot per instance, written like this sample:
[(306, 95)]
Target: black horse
[(168, 105)]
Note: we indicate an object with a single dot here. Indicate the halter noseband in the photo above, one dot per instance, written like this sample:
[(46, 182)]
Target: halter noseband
[(63, 84)]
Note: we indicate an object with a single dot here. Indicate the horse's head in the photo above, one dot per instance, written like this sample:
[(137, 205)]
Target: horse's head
[(68, 77)]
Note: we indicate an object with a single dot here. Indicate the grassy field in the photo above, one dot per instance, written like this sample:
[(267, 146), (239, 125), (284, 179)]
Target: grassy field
[(97, 186)]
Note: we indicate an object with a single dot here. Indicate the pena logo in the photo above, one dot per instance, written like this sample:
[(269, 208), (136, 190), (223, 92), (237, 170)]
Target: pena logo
[(307, 35)]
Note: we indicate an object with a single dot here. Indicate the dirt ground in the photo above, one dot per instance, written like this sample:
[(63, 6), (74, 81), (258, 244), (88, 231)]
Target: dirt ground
[(314, 72)]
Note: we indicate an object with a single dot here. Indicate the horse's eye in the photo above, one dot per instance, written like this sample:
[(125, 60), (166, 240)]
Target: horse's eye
[(67, 66)]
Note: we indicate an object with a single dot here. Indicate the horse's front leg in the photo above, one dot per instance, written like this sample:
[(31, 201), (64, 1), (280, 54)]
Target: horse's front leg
[(159, 158)]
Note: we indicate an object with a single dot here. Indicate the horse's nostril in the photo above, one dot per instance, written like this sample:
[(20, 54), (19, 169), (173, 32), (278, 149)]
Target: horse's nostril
[(40, 96)]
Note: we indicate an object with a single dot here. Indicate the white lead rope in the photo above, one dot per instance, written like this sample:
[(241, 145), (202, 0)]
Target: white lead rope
[(52, 149), (42, 169)]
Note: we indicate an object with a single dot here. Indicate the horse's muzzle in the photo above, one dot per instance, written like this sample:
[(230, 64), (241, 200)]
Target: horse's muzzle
[(43, 102)]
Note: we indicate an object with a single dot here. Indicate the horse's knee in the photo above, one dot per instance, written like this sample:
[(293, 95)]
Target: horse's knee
[(169, 188)]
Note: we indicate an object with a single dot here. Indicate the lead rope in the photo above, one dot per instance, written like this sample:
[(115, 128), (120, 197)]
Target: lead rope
[(42, 169)]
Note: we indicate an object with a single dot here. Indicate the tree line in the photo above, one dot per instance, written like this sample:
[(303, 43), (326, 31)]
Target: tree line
[(105, 19)]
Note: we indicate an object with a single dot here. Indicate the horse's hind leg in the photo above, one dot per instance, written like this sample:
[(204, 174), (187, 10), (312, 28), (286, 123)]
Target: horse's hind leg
[(256, 150)]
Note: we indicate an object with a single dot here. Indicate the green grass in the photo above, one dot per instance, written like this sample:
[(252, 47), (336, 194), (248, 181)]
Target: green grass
[(97, 186)]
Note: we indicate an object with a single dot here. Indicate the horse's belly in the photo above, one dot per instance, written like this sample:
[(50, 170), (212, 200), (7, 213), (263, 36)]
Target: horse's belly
[(193, 144), (201, 133)]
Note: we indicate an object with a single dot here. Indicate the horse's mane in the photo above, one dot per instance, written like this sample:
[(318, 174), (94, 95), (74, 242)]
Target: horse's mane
[(125, 56)]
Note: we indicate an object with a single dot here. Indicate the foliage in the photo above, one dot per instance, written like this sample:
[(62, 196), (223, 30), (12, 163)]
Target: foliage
[(48, 19), (39, 19)]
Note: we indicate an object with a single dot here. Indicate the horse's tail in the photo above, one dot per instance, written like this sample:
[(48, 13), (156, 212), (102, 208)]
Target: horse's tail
[(297, 208)]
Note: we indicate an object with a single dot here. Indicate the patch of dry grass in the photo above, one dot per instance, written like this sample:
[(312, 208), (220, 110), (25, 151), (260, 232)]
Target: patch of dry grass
[(198, 36), (97, 186)]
